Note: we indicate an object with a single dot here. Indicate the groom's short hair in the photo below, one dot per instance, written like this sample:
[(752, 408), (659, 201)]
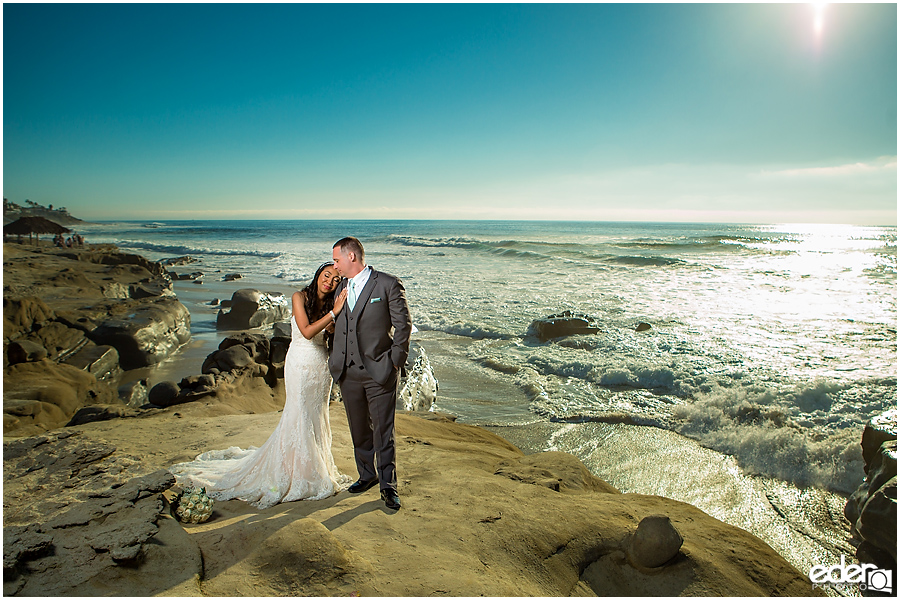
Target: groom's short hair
[(351, 244)]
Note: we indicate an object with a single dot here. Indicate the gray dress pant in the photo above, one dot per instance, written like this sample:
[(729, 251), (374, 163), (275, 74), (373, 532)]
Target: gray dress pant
[(370, 410)]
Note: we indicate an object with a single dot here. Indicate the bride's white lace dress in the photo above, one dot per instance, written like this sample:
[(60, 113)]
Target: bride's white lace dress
[(296, 462)]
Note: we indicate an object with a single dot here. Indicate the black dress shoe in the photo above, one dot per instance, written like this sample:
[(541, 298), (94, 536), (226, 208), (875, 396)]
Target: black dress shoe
[(361, 486), (391, 499)]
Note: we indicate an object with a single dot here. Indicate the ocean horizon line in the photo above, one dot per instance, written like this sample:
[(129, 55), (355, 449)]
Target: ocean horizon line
[(441, 220)]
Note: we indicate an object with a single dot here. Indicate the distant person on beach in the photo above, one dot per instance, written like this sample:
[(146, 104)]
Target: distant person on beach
[(371, 343), (296, 462)]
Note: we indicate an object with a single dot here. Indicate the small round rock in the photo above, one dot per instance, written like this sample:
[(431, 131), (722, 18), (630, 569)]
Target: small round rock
[(654, 543), (164, 393)]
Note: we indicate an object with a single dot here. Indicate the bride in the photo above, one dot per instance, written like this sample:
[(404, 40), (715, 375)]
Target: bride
[(295, 463)]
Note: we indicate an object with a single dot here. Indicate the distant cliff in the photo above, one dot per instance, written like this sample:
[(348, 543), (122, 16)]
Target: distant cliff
[(13, 211)]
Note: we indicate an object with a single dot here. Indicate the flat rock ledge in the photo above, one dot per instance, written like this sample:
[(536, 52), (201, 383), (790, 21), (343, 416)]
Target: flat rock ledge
[(77, 523), (83, 515)]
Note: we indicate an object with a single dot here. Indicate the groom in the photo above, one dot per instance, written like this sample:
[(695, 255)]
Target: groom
[(371, 343)]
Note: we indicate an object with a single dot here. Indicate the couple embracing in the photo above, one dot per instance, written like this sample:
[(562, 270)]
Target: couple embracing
[(354, 331)]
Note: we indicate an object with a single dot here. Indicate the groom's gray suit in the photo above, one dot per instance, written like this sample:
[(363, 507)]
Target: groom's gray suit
[(371, 344)]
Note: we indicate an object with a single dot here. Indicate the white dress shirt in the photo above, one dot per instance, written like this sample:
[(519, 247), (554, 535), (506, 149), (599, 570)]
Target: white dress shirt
[(359, 282)]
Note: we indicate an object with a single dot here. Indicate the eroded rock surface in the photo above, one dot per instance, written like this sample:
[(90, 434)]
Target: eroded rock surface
[(251, 308), (79, 519), (93, 311)]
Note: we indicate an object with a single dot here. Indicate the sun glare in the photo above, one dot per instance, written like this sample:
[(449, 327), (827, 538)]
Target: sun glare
[(819, 17)]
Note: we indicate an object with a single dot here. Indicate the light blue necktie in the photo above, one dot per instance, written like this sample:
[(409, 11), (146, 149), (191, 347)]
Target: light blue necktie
[(351, 296)]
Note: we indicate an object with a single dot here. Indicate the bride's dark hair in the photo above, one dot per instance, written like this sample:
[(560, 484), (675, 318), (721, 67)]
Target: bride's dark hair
[(315, 310)]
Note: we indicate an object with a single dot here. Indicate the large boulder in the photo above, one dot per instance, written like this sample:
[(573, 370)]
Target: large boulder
[(279, 344), (282, 329), (561, 325), (872, 509), (257, 344), (251, 308), (229, 359), (149, 334), (878, 431)]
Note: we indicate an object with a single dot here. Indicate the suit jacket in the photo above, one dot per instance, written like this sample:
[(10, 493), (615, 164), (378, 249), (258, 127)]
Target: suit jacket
[(379, 325)]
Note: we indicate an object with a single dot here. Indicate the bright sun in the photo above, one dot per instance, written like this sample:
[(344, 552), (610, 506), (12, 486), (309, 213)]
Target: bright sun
[(819, 17)]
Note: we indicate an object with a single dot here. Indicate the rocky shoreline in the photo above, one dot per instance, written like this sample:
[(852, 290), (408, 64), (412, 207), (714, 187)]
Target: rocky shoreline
[(86, 513), (87, 495), (73, 321)]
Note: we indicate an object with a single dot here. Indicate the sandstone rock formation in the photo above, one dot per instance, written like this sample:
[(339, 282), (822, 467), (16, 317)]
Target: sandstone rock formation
[(43, 395), (84, 517), (94, 311), (148, 334), (79, 519), (251, 308), (25, 351), (872, 509)]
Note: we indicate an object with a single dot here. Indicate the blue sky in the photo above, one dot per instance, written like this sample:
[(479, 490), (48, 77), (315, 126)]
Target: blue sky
[(710, 112)]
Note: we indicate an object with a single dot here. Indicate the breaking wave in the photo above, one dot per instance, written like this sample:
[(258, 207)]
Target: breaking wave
[(802, 435), (193, 250)]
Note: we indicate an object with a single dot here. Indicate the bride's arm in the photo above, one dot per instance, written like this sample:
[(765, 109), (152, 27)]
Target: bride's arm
[(310, 330)]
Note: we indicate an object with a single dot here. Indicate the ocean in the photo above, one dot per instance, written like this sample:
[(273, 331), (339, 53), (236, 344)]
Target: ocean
[(769, 347)]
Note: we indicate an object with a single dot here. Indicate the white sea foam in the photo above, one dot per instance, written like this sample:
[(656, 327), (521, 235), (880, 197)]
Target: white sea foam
[(808, 435), (193, 250)]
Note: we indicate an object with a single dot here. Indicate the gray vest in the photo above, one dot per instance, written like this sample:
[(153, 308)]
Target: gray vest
[(353, 355)]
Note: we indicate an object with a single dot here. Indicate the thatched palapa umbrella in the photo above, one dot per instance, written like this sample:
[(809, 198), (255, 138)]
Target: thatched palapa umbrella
[(32, 226)]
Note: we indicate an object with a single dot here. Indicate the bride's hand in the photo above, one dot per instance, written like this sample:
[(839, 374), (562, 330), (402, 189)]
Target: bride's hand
[(339, 301), (330, 328)]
